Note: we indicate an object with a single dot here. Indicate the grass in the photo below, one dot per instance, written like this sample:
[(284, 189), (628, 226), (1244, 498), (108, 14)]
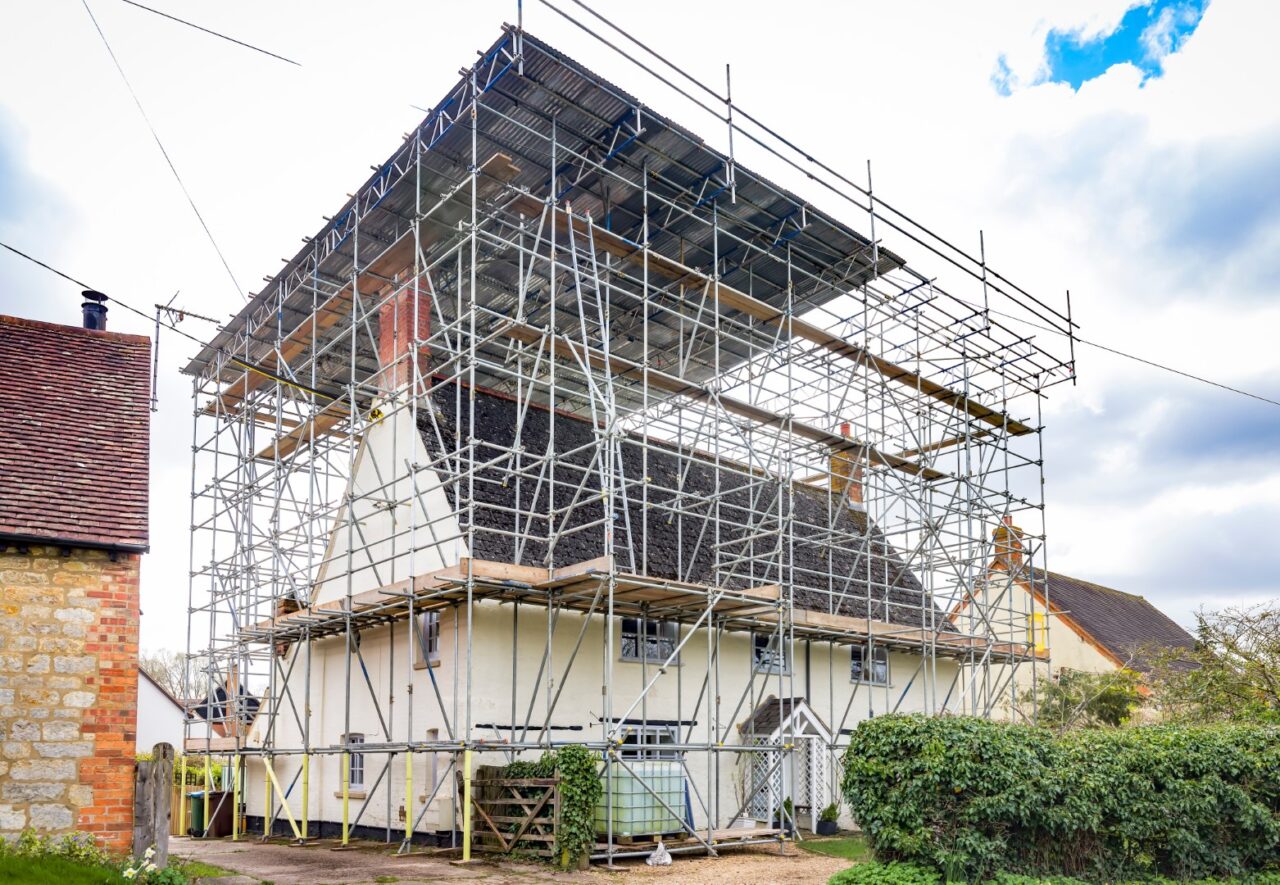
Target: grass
[(198, 869), (54, 871), (851, 848)]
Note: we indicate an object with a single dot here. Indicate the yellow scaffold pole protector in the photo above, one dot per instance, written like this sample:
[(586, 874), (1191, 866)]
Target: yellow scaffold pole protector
[(180, 766), (284, 802), (346, 793), (208, 786), (266, 806), (408, 796), (466, 805), (306, 790), (235, 797)]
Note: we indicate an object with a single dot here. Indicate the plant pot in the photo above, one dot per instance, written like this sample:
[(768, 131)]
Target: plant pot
[(828, 828)]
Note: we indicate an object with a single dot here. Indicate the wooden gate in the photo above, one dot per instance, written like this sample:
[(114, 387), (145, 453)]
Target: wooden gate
[(510, 814)]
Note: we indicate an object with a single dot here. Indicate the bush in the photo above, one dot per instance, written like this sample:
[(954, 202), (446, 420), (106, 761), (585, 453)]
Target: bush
[(580, 792), (968, 797), (886, 874)]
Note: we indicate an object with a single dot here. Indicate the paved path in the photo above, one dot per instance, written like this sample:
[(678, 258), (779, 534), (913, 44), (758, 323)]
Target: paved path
[(368, 864)]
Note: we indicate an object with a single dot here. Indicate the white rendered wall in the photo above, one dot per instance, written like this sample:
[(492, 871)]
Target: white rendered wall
[(385, 653), (159, 719)]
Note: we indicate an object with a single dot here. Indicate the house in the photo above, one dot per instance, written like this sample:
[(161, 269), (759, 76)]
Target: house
[(74, 419), (568, 427), (875, 592), (1080, 625), (161, 717)]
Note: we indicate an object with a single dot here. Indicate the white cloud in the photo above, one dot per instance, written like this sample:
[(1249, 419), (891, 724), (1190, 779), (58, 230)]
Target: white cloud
[(1074, 190)]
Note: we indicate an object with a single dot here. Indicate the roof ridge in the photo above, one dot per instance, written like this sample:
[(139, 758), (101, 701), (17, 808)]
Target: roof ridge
[(101, 334)]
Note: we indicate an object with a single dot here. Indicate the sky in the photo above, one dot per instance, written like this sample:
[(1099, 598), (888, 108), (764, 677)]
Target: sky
[(1128, 152)]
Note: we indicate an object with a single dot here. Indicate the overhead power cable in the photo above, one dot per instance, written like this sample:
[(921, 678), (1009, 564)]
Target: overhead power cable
[(244, 364), (160, 145), (183, 21), (276, 377)]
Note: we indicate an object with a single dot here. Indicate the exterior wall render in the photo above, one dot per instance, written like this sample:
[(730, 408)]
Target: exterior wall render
[(673, 698)]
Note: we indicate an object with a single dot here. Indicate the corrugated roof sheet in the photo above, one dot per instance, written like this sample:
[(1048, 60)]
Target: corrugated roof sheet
[(74, 434)]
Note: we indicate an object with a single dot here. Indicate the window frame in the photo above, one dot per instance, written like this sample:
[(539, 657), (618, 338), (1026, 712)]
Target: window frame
[(357, 761), (773, 669), (428, 629), (656, 632), (876, 651), (645, 748)]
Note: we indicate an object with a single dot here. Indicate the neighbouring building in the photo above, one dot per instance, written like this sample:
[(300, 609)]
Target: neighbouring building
[(1080, 625), (161, 717), (74, 422)]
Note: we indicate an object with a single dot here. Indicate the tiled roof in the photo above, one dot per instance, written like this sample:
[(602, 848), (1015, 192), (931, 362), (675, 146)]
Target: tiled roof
[(74, 434), (1121, 623), (771, 713), (862, 578)]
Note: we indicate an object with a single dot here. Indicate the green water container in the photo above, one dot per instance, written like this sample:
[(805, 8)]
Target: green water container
[(635, 810)]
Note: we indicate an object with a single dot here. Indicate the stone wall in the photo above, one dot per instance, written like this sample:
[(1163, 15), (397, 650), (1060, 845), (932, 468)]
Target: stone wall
[(68, 691)]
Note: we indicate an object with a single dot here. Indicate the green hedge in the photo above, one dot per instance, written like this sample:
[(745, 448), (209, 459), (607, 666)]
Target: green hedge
[(968, 797), (897, 873)]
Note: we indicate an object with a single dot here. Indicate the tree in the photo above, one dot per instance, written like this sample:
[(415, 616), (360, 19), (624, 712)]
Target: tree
[(1076, 699), (1233, 673), (167, 667)]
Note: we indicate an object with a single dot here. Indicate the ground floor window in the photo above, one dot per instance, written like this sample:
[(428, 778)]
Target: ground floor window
[(649, 741), (355, 774), (869, 664)]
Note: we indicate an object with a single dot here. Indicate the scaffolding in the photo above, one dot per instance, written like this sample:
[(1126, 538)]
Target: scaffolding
[(560, 367)]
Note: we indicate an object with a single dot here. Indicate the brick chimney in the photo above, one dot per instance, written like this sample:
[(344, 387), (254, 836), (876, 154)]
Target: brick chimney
[(1007, 538), (396, 333), (846, 473)]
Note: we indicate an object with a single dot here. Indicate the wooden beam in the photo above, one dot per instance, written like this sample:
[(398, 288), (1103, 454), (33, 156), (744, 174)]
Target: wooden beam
[(569, 350), (619, 247)]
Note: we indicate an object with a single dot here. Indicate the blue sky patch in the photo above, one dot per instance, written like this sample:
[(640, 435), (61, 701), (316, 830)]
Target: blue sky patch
[(1146, 35)]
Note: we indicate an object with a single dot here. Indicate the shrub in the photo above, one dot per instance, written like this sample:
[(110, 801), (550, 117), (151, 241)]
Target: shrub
[(893, 873), (580, 792), (968, 797), (830, 814)]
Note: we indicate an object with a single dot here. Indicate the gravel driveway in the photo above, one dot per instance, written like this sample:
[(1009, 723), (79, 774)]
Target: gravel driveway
[(319, 864)]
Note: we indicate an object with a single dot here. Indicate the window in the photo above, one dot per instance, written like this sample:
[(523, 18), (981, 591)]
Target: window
[(645, 640), (355, 774), (427, 640), (872, 668), (646, 741), (769, 654)]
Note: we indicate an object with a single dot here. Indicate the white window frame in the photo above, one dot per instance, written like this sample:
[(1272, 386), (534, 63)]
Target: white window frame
[(355, 768), (879, 657), (762, 646), (428, 630), (661, 639), (646, 741)]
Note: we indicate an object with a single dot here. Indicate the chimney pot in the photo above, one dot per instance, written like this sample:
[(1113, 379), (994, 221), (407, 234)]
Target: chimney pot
[(94, 310)]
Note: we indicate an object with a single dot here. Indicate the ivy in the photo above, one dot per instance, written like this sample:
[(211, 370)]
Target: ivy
[(580, 793), (967, 797)]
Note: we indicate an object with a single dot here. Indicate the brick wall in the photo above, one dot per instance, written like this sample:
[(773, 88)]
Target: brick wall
[(68, 691)]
